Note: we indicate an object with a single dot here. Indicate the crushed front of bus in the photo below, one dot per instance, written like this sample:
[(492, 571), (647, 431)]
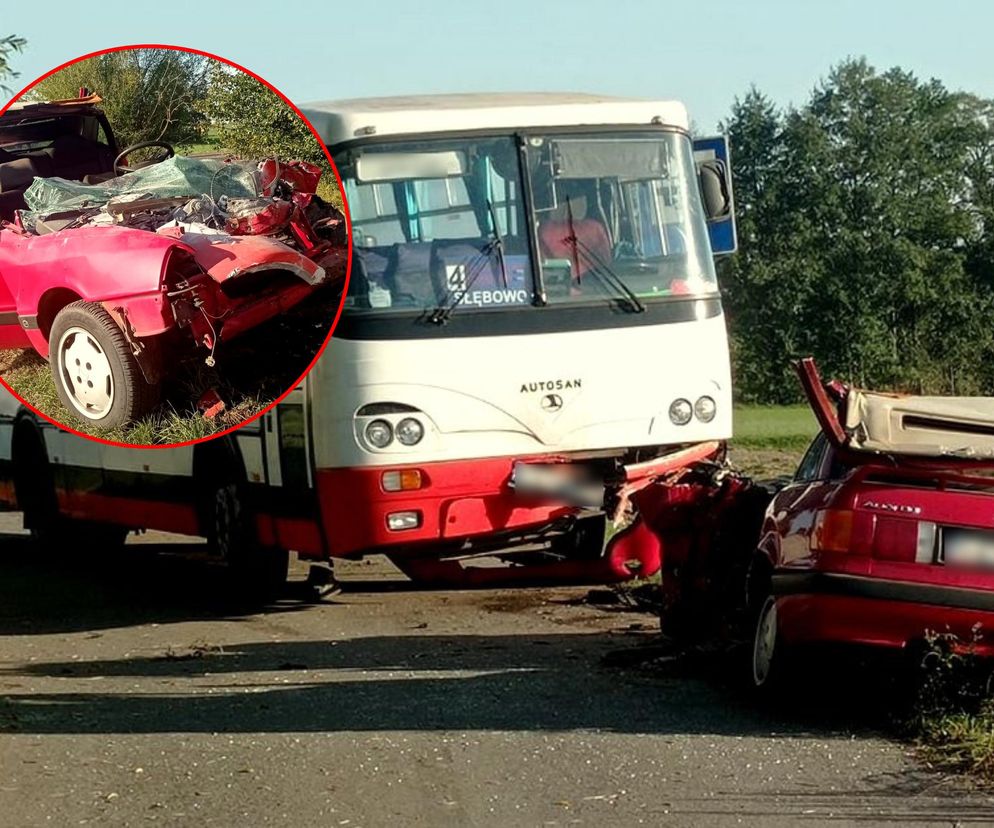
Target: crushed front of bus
[(529, 316)]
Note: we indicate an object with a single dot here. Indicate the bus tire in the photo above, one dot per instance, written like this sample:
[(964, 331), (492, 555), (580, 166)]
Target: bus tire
[(257, 572), (96, 374)]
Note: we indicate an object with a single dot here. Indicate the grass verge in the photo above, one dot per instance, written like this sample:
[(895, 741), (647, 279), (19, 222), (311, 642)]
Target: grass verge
[(953, 719), (784, 427), (769, 440)]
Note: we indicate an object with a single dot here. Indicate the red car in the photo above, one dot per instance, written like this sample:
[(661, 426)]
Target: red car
[(886, 532), (114, 272)]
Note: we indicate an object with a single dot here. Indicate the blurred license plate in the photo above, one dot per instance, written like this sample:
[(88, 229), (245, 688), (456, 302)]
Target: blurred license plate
[(969, 548), (567, 482)]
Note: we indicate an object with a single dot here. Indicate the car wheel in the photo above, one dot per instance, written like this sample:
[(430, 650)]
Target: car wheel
[(767, 662), (257, 572), (96, 374)]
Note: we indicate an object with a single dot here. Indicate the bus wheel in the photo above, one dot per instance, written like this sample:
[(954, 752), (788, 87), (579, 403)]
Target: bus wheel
[(96, 374), (258, 572)]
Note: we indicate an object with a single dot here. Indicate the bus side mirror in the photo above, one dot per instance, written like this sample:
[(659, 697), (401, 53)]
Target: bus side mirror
[(715, 190), (714, 176)]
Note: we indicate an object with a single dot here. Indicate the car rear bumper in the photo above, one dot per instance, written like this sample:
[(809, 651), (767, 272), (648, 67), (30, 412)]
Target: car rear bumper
[(835, 607)]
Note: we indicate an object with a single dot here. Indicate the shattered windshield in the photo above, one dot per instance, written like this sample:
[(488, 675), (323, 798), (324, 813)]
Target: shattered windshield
[(177, 176), (616, 208), (437, 225)]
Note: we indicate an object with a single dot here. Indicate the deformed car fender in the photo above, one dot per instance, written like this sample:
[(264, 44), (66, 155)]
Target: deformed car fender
[(115, 266), (228, 257)]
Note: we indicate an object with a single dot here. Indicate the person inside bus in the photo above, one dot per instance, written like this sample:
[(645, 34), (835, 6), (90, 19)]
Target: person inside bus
[(569, 232)]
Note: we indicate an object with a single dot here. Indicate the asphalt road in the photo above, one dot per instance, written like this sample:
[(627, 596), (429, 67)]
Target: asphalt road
[(127, 696)]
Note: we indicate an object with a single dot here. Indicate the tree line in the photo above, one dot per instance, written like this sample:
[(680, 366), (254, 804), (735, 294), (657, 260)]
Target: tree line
[(866, 222), (866, 214)]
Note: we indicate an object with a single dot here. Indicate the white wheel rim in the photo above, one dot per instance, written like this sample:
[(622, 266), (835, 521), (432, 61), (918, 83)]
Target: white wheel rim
[(85, 373), (765, 643)]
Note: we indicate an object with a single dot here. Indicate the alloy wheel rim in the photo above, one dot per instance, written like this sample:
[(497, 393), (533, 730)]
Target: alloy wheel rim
[(765, 642), (86, 374)]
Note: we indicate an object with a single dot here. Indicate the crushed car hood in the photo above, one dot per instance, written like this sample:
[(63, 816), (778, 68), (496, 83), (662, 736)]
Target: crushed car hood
[(225, 257), (235, 217)]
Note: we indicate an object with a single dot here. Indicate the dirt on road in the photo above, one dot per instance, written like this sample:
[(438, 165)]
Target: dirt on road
[(129, 696)]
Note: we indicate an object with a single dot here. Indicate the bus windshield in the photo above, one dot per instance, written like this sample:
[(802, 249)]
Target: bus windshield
[(440, 225)]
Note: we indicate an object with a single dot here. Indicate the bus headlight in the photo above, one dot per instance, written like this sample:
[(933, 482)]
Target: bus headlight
[(379, 433), (681, 412), (705, 408), (410, 431)]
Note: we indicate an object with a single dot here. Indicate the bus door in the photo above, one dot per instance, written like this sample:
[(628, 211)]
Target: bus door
[(290, 496), (287, 444)]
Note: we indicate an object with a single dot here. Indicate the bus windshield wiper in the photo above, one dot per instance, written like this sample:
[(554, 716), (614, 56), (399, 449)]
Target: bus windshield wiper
[(498, 241), (474, 268), (598, 266)]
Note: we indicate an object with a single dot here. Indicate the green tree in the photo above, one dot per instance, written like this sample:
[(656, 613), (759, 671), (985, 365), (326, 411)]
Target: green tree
[(865, 215), (9, 45), (149, 94), (251, 120)]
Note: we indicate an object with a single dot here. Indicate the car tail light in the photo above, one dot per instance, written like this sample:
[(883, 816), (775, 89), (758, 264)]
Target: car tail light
[(903, 539), (401, 480), (832, 531)]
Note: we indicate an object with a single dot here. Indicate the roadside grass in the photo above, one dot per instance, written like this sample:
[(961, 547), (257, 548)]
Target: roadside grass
[(210, 145), (953, 717), (251, 372), (787, 427), (962, 742), (768, 440)]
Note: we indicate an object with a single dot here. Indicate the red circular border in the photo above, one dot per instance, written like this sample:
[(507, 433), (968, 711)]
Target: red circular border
[(348, 227)]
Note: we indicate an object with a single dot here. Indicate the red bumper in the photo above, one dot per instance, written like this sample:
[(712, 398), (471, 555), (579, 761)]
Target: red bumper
[(458, 500), (835, 608)]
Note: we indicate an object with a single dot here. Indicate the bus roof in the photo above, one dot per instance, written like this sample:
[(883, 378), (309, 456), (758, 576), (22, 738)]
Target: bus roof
[(340, 121)]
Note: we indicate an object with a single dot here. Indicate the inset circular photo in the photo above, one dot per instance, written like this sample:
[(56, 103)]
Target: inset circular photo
[(173, 246)]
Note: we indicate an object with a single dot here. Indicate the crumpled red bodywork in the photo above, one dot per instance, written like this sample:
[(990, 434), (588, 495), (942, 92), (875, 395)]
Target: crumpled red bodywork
[(153, 282)]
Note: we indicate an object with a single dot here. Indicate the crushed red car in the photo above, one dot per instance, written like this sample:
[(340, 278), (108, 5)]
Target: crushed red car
[(885, 535), (115, 271)]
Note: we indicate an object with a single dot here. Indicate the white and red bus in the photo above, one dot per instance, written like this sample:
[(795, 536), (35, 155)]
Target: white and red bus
[(532, 323)]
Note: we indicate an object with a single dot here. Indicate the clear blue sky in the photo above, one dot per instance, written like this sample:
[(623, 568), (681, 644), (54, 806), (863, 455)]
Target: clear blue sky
[(704, 53)]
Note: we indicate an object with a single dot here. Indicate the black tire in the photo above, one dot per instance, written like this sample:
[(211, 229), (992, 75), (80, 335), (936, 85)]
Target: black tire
[(34, 487), (256, 572), (120, 392)]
